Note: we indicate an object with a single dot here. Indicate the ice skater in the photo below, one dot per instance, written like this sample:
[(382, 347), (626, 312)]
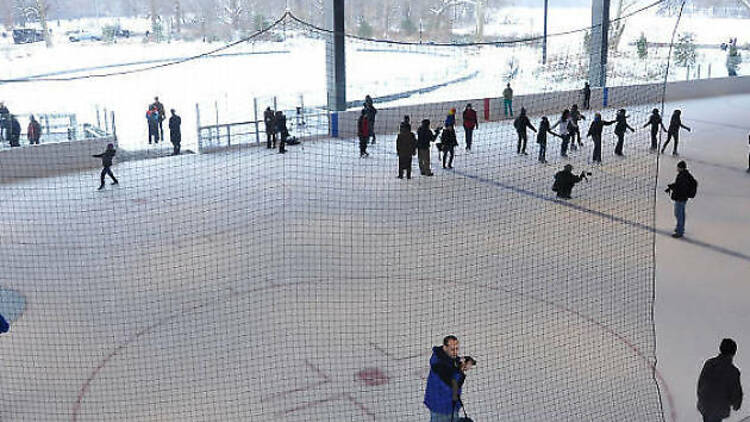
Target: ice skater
[(719, 387), (370, 112), (269, 120), (470, 124), (406, 147), (565, 125), (106, 157), (576, 116), (541, 138), (425, 136), (521, 123), (675, 123), (595, 132), (448, 144), (175, 133), (655, 121), (684, 187), (586, 96), (363, 132), (620, 127)]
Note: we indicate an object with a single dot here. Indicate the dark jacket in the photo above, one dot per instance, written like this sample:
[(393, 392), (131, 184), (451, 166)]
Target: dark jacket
[(280, 120), (425, 135), (470, 118), (269, 120), (544, 129), (106, 157), (160, 109), (675, 123), (34, 131), (596, 128), (622, 124), (564, 182), (175, 134), (370, 112), (406, 144), (4, 326), (681, 186), (719, 387), (404, 127), (522, 122), (654, 121), (448, 139), (438, 395), (15, 129), (576, 115)]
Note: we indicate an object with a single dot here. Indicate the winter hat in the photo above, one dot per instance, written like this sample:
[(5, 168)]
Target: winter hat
[(568, 167), (453, 111), (682, 165), (110, 146)]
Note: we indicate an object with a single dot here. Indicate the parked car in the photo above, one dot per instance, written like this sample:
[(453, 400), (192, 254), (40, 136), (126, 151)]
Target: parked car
[(26, 35), (80, 35)]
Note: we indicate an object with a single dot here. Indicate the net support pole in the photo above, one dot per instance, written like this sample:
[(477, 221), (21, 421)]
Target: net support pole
[(335, 58), (599, 44), (544, 41)]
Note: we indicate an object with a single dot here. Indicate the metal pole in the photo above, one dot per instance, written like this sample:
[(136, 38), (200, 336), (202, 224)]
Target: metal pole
[(216, 108), (257, 129), (599, 47), (335, 55), (114, 127), (98, 119), (544, 40), (106, 120), (198, 124)]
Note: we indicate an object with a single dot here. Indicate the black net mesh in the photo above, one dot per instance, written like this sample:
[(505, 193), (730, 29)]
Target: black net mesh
[(243, 284)]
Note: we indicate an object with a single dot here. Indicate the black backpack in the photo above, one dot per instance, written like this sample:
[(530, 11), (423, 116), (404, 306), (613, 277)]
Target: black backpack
[(692, 187)]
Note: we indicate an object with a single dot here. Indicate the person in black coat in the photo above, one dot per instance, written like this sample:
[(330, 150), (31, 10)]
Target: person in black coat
[(521, 123), (269, 119), (655, 122), (15, 132), (541, 138), (564, 182), (620, 127), (406, 147), (281, 129), (175, 133), (576, 116), (595, 132), (586, 96), (425, 136), (680, 191), (4, 122), (675, 123), (448, 143), (719, 386), (370, 112), (107, 157)]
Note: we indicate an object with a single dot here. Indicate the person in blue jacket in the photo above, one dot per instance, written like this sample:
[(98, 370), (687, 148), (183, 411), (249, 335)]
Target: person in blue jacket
[(4, 326), (447, 374)]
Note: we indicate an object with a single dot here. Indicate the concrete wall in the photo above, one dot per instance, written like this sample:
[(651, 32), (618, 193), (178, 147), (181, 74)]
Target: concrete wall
[(51, 159)]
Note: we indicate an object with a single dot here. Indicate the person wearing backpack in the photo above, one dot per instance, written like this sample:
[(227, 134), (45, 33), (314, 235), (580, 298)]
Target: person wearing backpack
[(684, 187)]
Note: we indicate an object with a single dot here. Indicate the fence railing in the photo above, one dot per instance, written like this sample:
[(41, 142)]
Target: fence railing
[(63, 127)]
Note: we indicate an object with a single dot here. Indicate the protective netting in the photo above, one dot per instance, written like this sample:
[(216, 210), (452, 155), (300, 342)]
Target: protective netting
[(245, 284)]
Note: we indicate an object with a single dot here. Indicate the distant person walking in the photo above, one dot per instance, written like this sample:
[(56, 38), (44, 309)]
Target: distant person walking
[(508, 101), (684, 187), (15, 132), (541, 138), (565, 125), (152, 118), (425, 136), (370, 112), (620, 127), (269, 119), (521, 123), (470, 124), (595, 132), (363, 132), (719, 386), (162, 116), (175, 133), (406, 147), (281, 129), (655, 121), (448, 144), (34, 131), (107, 157), (675, 123), (586, 96)]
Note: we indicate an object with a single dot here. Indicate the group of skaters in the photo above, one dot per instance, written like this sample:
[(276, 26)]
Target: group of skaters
[(155, 117), (719, 388), (10, 128)]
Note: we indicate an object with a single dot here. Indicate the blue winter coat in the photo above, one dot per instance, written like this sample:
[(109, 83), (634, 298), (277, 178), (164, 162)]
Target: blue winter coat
[(438, 396), (4, 326)]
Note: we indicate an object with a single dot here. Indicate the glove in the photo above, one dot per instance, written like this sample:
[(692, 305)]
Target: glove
[(667, 190)]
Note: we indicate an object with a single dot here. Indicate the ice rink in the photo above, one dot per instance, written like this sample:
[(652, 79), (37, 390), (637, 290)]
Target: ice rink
[(247, 285)]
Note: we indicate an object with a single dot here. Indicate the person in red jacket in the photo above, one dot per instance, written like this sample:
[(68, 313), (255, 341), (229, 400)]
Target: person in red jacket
[(470, 123), (363, 131), (34, 131)]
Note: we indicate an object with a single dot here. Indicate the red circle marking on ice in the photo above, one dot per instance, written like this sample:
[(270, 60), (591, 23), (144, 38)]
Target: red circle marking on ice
[(372, 377)]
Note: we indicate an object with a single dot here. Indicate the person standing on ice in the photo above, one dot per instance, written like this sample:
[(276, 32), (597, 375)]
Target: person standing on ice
[(470, 123), (620, 127), (448, 144), (175, 133), (684, 187), (595, 132), (442, 395), (281, 129), (4, 122), (576, 116), (406, 147), (586, 96), (363, 132), (425, 136), (162, 116), (675, 123), (521, 123), (107, 157), (152, 118), (508, 100), (655, 122), (14, 131), (541, 138), (450, 119), (719, 386), (34, 131), (565, 126), (270, 122), (370, 111)]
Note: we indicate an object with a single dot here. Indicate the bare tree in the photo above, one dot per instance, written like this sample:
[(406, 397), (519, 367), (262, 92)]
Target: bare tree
[(37, 10), (618, 25)]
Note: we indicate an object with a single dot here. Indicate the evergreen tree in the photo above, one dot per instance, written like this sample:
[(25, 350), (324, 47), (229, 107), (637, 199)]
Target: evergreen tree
[(642, 46), (364, 29), (684, 50), (407, 26)]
